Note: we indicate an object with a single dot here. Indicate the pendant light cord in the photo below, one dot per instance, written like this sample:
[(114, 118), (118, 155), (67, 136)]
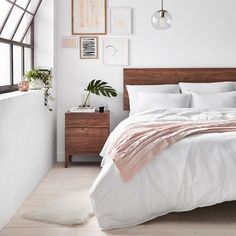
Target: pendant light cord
[(161, 4)]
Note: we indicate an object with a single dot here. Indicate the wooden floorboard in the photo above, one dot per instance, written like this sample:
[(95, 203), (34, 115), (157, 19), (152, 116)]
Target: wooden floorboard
[(217, 220)]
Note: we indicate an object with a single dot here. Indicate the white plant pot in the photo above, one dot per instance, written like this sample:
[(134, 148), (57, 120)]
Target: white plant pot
[(36, 84)]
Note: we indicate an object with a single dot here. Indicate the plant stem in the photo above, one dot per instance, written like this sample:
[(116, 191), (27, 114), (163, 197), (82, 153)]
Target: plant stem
[(84, 105)]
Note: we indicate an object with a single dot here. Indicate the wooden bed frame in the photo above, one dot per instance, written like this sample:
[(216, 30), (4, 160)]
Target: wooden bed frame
[(151, 76)]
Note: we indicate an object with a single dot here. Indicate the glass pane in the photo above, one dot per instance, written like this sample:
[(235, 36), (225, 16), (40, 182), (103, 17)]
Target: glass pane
[(5, 64), (5, 7), (17, 64), (33, 5), (28, 63), (22, 27), (27, 38), (22, 3), (12, 23)]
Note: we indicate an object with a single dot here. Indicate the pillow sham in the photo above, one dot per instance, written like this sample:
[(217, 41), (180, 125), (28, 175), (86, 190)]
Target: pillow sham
[(147, 101), (133, 91), (218, 87), (217, 100)]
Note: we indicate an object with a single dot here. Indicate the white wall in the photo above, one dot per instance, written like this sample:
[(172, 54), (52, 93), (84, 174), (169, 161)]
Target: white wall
[(27, 128), (203, 34)]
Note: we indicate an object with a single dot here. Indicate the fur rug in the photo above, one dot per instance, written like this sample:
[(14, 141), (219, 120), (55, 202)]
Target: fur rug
[(71, 210)]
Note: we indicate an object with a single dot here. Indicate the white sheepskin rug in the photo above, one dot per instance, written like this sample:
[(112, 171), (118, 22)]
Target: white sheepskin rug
[(71, 210)]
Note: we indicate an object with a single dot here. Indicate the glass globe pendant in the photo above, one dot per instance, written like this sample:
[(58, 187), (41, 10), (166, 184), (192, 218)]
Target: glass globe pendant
[(161, 19)]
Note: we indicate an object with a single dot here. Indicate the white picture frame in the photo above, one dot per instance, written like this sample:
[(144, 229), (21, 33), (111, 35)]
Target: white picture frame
[(116, 51), (121, 20)]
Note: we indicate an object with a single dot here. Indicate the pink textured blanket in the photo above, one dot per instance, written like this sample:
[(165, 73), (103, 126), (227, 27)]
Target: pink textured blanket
[(141, 142)]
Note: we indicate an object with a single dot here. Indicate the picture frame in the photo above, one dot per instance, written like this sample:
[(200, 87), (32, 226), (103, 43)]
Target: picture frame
[(69, 42), (121, 20), (116, 51), (88, 17), (88, 47)]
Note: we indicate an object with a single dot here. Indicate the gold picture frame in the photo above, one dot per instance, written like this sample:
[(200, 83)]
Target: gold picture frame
[(89, 17)]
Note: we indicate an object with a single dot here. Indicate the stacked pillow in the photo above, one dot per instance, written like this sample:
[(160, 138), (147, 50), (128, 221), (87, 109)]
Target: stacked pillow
[(182, 95), (211, 95), (145, 97)]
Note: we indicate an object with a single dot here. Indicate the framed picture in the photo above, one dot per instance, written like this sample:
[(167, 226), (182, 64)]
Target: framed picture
[(69, 42), (116, 51), (88, 47), (121, 20), (88, 17)]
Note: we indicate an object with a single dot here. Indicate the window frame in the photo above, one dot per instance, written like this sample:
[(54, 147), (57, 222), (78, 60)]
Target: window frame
[(30, 27)]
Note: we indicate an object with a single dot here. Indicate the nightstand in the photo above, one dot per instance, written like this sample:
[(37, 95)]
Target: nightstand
[(85, 133)]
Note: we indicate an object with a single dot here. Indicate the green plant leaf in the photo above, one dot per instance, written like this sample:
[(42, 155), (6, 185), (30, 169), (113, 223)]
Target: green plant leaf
[(100, 87)]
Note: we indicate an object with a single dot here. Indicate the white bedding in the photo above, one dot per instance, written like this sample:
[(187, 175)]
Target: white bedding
[(197, 171)]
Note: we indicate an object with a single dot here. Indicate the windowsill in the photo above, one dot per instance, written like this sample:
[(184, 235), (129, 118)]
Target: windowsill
[(15, 94)]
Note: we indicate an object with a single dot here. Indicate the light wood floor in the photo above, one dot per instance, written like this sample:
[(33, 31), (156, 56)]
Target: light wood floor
[(212, 221)]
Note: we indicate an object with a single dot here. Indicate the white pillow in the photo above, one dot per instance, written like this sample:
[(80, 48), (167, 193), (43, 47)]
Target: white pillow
[(217, 100), (133, 91), (147, 101), (218, 87)]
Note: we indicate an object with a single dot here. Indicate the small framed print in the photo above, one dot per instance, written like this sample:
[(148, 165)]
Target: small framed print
[(88, 17), (69, 42), (88, 47), (121, 20), (116, 51)]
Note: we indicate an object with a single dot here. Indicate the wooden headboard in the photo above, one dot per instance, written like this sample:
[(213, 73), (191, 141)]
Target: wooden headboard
[(150, 76)]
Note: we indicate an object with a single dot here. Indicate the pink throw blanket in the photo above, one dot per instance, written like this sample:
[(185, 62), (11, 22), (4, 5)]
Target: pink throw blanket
[(139, 143)]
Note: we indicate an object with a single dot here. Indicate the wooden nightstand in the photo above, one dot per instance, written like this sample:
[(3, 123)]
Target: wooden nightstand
[(85, 133)]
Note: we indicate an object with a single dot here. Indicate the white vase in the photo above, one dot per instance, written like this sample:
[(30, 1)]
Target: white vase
[(36, 84)]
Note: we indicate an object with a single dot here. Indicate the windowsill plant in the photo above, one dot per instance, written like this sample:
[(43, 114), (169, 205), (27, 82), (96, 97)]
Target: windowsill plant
[(39, 79)]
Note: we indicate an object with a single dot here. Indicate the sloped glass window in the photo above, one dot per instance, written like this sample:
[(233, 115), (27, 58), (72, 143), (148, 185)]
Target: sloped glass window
[(27, 38), (22, 3), (16, 40), (12, 22), (33, 5), (4, 9), (25, 22)]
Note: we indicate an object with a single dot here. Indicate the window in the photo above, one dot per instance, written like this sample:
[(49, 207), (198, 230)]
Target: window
[(16, 41)]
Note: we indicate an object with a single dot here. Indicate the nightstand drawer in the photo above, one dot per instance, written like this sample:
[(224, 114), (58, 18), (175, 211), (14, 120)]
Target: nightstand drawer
[(85, 140), (81, 134), (87, 120)]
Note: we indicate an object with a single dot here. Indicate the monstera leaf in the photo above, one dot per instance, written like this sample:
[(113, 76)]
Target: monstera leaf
[(100, 87)]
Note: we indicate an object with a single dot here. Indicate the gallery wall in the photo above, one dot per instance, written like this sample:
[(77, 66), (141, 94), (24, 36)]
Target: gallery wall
[(200, 36)]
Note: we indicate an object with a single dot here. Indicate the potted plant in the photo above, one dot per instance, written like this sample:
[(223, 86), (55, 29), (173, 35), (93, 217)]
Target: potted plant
[(98, 87), (38, 79)]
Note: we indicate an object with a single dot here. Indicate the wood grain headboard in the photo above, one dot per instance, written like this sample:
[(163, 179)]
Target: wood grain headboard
[(150, 76)]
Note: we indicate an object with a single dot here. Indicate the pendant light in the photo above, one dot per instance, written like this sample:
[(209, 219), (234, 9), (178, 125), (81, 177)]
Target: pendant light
[(161, 19)]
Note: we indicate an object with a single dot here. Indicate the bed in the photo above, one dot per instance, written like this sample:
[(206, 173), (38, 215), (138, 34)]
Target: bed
[(196, 171)]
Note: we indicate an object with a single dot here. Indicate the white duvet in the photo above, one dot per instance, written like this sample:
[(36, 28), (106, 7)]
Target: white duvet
[(195, 172)]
